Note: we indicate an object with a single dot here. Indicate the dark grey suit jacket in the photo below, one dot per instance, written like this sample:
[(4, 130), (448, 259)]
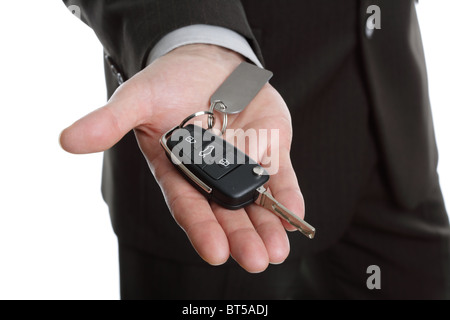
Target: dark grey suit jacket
[(355, 101)]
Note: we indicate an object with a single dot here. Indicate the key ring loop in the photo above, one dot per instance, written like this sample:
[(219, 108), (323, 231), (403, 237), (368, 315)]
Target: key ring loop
[(197, 114), (211, 118)]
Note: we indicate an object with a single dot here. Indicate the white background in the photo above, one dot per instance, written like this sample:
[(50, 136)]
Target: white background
[(56, 240)]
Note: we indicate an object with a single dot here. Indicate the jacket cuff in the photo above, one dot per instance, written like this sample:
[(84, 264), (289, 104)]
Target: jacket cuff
[(207, 34)]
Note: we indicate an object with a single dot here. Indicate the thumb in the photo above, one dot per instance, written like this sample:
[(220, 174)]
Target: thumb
[(102, 128)]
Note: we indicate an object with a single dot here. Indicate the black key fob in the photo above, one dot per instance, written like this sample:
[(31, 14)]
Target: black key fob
[(223, 173)]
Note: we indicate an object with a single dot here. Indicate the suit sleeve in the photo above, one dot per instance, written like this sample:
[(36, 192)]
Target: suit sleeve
[(129, 29)]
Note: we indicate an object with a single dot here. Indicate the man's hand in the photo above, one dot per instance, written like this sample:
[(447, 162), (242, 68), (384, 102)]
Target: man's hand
[(160, 97)]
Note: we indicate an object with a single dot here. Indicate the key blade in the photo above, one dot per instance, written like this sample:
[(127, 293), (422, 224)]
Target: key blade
[(267, 201)]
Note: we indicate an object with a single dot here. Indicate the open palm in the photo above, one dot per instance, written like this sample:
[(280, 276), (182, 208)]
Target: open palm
[(160, 97)]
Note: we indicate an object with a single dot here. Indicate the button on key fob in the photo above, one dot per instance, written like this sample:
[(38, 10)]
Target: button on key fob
[(223, 173)]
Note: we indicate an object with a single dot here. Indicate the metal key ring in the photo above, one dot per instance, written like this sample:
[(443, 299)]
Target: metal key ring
[(197, 114), (211, 118)]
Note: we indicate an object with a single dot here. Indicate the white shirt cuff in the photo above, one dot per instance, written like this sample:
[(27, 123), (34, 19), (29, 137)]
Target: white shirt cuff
[(207, 34)]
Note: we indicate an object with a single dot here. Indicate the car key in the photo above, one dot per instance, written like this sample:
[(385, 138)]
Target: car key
[(223, 173)]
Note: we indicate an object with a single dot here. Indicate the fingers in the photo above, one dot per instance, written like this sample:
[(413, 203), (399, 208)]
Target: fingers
[(195, 217), (272, 233), (254, 237), (193, 213), (246, 245)]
